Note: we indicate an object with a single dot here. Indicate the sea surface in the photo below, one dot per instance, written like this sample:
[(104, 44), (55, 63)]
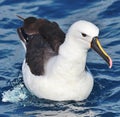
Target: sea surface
[(17, 101)]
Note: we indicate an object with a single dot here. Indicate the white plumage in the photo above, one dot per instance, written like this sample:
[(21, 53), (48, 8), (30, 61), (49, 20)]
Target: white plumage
[(65, 76)]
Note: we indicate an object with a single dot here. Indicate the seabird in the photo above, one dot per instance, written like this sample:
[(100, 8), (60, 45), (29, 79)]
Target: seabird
[(54, 65)]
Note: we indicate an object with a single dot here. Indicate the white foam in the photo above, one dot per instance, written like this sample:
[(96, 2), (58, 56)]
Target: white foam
[(17, 94)]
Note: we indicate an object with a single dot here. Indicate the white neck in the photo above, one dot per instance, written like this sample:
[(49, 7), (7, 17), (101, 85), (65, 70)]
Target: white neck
[(71, 60)]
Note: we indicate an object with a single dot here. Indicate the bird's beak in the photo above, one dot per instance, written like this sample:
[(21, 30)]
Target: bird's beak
[(95, 44)]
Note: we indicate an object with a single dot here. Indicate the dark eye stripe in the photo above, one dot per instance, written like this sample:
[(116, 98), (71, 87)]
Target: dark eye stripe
[(83, 34)]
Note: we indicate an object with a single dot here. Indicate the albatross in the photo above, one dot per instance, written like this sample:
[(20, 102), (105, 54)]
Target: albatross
[(55, 64)]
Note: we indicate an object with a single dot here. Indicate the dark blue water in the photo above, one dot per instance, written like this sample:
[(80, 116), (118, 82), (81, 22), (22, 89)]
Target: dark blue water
[(104, 101)]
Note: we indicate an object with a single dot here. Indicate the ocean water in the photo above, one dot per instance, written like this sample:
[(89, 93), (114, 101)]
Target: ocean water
[(15, 99)]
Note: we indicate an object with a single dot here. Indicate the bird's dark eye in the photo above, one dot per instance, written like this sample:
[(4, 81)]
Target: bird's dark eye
[(83, 34)]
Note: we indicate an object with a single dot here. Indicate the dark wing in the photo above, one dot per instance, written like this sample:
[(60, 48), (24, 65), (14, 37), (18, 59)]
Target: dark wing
[(38, 53), (42, 39), (51, 33)]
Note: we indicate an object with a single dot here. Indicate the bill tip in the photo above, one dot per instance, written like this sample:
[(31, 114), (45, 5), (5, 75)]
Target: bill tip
[(110, 63)]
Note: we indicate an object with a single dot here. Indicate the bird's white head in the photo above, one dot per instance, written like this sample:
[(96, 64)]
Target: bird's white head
[(85, 35), (83, 32)]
